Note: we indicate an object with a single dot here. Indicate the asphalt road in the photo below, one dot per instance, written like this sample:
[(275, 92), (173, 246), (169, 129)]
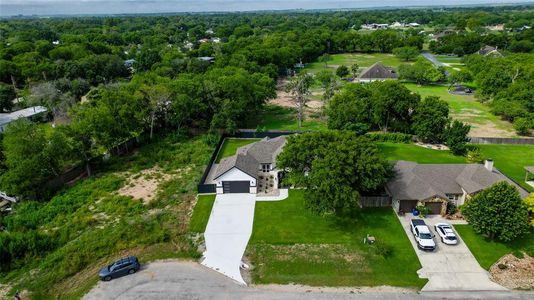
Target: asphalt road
[(190, 280)]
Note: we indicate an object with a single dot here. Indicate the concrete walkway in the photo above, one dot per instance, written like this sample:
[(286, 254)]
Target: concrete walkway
[(227, 233), (449, 268)]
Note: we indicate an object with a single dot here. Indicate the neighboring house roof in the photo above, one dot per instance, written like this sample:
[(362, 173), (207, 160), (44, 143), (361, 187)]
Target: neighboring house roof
[(6, 118), (530, 169), (415, 181), (488, 50), (379, 71), (249, 157)]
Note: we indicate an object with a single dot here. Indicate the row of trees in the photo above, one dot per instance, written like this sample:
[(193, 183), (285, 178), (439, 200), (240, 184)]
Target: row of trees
[(219, 100), (507, 83), (390, 106)]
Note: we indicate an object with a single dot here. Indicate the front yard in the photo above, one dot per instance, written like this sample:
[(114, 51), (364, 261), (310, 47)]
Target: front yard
[(289, 244), (487, 252)]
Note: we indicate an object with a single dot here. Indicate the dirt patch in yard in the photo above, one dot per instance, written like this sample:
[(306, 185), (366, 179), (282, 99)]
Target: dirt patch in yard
[(144, 185), (489, 129), (285, 99), (513, 272)]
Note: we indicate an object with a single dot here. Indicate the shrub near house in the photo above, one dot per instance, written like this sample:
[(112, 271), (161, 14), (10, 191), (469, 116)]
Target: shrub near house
[(498, 213)]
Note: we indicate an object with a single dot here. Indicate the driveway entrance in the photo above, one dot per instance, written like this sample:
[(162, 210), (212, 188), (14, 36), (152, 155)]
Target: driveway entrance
[(227, 233), (449, 268)]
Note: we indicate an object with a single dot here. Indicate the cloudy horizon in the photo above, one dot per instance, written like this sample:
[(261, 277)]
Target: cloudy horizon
[(66, 7)]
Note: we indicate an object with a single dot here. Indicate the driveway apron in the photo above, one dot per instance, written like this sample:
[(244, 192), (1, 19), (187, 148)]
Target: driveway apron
[(228, 232), (449, 267)]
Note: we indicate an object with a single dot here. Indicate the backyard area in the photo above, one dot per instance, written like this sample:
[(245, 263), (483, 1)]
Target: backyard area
[(289, 244), (229, 147), (468, 109), (363, 60)]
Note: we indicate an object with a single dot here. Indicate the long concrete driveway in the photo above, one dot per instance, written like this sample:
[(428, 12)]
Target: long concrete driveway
[(449, 268), (227, 233)]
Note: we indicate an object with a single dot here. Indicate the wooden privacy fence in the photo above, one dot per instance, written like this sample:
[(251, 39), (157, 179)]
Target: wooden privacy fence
[(375, 201), (495, 140)]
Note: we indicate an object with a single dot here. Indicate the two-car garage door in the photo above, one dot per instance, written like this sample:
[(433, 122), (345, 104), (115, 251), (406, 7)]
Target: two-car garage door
[(236, 187)]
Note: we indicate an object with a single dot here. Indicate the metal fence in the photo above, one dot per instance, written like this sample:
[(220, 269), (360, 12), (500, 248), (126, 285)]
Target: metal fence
[(495, 140)]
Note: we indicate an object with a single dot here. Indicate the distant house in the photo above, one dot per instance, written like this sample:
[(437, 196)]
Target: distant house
[(413, 24), (397, 25), (254, 162), (489, 51), (374, 26), (204, 41), (206, 58), (28, 113), (442, 34), (378, 72), (497, 27), (435, 185)]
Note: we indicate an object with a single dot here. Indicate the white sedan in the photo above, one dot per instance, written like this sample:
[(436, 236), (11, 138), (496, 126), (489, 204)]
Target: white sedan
[(446, 233)]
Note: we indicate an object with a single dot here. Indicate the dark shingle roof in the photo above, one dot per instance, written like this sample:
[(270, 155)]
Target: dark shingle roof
[(423, 181), (249, 157), (486, 50), (379, 71)]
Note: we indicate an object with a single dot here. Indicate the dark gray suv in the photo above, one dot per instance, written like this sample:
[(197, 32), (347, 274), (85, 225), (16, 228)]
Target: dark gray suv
[(128, 265)]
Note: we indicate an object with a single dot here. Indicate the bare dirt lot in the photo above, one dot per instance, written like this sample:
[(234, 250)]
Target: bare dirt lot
[(285, 99), (513, 272), (144, 185)]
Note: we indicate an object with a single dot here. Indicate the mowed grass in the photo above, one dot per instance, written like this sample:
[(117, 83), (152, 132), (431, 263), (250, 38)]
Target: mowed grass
[(509, 159), (412, 152), (289, 244), (201, 213), (230, 145), (285, 118), (487, 251), (363, 60), (464, 108)]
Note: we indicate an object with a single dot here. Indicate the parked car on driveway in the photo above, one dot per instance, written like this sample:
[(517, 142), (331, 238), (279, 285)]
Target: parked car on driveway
[(423, 237), (446, 233), (121, 267)]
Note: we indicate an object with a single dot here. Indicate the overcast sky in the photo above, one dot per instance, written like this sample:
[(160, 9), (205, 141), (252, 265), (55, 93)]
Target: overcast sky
[(54, 7)]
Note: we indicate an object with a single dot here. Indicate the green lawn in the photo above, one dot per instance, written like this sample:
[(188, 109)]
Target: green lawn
[(364, 60), (289, 244), (467, 109), (284, 118), (411, 152), (509, 159), (487, 252), (230, 146), (201, 213)]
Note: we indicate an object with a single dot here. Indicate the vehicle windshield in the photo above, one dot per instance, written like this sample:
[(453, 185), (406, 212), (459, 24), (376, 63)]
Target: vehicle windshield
[(426, 236), (452, 238)]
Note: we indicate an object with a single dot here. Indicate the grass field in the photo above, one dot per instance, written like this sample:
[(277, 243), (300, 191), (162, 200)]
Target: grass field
[(229, 147), (364, 60), (201, 213), (509, 159), (284, 118), (289, 244), (487, 252), (469, 110)]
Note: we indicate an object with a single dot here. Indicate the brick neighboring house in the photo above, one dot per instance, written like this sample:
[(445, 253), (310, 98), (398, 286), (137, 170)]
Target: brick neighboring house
[(378, 72), (434, 185)]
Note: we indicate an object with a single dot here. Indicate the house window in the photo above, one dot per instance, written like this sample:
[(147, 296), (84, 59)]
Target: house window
[(266, 167), (453, 198)]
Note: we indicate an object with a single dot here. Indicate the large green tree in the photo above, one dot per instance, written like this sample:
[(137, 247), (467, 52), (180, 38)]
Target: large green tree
[(299, 87), (422, 72), (498, 212), (335, 167), (7, 95), (456, 137), (430, 119)]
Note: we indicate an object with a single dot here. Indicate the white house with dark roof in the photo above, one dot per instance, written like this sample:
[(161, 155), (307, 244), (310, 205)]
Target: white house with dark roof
[(434, 185), (251, 170)]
